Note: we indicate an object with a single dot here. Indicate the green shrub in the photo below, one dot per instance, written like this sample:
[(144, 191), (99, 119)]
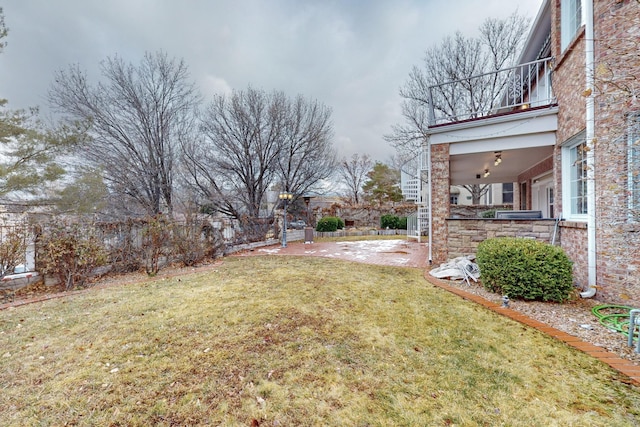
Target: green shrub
[(525, 269), (389, 221), (491, 213), (329, 223), (393, 222), (402, 223)]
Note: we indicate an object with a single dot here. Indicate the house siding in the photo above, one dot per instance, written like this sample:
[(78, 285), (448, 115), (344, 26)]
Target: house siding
[(616, 31), (617, 63), (616, 94), (574, 244)]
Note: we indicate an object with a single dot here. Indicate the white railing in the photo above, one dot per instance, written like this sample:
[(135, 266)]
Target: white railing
[(521, 87), (412, 226), (410, 187)]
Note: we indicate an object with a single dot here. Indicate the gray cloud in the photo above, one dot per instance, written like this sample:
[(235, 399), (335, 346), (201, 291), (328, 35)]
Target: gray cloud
[(351, 55)]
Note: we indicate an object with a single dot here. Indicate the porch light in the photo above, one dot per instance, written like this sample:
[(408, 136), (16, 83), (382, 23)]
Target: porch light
[(486, 173), (498, 158)]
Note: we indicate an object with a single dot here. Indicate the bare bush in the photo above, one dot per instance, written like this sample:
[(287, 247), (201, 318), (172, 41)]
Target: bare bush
[(71, 252)]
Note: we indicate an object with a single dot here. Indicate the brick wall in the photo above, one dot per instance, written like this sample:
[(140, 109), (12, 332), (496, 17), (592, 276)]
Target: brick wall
[(466, 234), (440, 203), (617, 92), (527, 176), (569, 83), (617, 35), (574, 243)]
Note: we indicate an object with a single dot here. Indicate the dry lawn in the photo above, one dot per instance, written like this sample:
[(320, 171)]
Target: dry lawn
[(286, 341)]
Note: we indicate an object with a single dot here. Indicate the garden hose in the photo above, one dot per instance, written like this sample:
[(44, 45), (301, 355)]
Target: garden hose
[(614, 317)]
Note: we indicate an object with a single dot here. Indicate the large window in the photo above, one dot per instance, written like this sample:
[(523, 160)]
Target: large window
[(507, 192), (571, 19), (574, 174), (633, 165)]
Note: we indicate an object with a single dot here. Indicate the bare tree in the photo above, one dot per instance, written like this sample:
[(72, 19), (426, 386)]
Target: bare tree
[(234, 163), (3, 30), (353, 173), (307, 155), (477, 191), (458, 59), (254, 140), (136, 121)]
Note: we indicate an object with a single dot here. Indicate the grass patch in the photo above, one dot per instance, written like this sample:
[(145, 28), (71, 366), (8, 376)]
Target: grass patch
[(293, 341)]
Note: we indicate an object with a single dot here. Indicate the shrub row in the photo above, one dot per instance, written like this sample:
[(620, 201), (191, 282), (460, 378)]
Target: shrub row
[(72, 252), (525, 269)]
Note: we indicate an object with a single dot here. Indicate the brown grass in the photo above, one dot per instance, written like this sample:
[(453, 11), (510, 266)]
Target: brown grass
[(293, 341)]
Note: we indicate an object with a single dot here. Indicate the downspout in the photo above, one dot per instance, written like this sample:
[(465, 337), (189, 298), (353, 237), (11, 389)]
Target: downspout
[(590, 137), (432, 121), (430, 198)]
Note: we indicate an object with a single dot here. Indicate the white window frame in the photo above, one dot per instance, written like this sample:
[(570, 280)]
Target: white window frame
[(633, 165), (572, 179), (508, 192), (571, 19)]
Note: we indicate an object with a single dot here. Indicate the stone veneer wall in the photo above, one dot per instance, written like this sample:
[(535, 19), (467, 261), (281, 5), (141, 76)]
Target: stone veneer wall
[(441, 203), (466, 234)]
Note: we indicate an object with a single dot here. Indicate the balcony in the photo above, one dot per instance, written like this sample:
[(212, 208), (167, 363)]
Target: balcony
[(509, 90)]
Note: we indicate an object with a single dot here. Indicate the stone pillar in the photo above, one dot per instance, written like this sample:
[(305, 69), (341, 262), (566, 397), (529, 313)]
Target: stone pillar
[(440, 208)]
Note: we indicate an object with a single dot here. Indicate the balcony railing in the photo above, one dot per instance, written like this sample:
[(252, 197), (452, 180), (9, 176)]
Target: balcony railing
[(503, 91)]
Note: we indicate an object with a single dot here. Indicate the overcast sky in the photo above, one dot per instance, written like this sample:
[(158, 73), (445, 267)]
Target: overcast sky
[(351, 55)]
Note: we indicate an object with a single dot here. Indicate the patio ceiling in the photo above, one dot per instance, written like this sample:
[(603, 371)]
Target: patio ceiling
[(523, 140), (465, 168)]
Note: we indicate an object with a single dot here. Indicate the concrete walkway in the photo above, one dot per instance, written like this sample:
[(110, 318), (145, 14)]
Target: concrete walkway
[(397, 252)]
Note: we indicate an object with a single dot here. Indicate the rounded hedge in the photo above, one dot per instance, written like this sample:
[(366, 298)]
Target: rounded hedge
[(329, 223), (393, 222), (525, 269)]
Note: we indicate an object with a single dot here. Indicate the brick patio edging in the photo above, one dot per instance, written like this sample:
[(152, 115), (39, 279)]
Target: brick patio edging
[(619, 364)]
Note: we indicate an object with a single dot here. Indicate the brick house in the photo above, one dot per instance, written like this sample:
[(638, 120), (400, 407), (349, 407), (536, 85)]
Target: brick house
[(566, 134)]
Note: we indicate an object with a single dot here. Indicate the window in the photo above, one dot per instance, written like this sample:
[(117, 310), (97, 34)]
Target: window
[(453, 199), (571, 19), (574, 177), (488, 195), (507, 192), (633, 165)]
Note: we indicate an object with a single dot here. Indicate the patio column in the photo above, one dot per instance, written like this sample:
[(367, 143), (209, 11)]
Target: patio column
[(440, 208)]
